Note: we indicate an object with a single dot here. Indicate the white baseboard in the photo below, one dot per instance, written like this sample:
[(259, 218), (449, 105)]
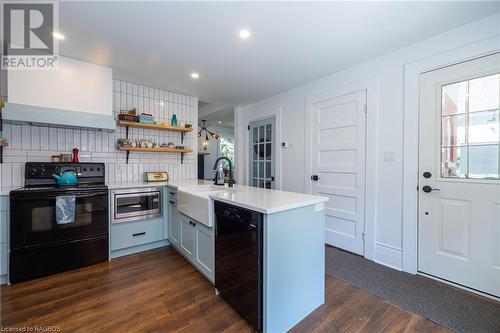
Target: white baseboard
[(4, 279), (137, 249), (388, 255)]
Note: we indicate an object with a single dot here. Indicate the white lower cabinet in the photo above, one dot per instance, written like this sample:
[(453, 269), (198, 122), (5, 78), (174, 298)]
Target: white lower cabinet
[(196, 243)]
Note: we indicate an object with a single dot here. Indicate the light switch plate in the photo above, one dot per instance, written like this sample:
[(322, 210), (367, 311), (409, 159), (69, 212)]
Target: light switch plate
[(389, 156)]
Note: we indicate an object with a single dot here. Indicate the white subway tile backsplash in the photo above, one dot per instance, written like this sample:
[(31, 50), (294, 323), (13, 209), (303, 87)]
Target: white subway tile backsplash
[(39, 143)]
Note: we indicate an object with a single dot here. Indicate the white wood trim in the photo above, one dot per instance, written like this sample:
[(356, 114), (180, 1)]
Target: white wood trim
[(239, 144), (371, 86), (277, 113), (412, 73)]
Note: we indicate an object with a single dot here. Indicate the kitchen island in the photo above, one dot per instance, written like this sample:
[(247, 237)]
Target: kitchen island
[(271, 267), (265, 257)]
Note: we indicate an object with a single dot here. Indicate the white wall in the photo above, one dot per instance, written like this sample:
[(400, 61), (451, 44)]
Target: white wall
[(39, 143), (75, 86), (388, 135)]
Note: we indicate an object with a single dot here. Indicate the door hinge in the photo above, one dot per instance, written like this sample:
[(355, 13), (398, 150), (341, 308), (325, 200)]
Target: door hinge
[(248, 127), (363, 236)]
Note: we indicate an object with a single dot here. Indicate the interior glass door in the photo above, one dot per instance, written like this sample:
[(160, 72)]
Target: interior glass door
[(262, 153)]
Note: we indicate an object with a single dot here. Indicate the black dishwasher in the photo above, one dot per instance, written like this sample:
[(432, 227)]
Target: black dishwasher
[(238, 260)]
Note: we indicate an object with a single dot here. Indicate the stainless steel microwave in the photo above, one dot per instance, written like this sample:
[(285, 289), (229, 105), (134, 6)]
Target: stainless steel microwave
[(136, 204)]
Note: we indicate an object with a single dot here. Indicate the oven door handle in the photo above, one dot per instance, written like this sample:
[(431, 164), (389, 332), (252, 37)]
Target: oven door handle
[(78, 194)]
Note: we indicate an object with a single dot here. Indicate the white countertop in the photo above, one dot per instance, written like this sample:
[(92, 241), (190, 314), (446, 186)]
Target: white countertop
[(257, 199), (171, 183), (264, 200)]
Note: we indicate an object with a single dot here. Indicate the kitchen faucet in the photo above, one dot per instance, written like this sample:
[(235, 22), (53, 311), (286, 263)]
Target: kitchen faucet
[(231, 180)]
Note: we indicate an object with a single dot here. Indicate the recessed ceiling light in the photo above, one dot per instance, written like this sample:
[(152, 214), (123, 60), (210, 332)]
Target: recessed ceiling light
[(220, 122), (58, 35), (244, 33), (195, 75)]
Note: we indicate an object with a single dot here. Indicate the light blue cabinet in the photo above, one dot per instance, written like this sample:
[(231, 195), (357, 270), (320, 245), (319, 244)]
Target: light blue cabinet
[(129, 234), (174, 228), (4, 238), (204, 250), (196, 243), (187, 236), (136, 236)]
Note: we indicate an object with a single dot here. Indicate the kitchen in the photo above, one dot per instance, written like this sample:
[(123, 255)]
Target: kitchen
[(120, 205)]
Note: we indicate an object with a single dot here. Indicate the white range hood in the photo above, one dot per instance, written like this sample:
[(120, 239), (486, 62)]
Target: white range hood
[(77, 94)]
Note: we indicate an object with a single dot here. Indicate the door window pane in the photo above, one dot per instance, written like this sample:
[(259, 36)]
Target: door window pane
[(268, 151), (484, 93), (470, 130), (255, 166), (268, 133), (453, 132), (255, 135), (261, 151), (454, 98), (261, 134), (268, 170), (484, 127), (483, 162), (454, 162)]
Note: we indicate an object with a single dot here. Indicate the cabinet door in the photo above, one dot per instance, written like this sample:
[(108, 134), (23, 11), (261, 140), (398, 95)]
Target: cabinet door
[(187, 244), (174, 224), (204, 250)]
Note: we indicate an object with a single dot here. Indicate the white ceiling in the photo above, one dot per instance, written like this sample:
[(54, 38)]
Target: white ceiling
[(160, 43), (224, 115)]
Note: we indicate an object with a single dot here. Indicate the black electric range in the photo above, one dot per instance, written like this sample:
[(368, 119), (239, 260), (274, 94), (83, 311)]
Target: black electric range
[(41, 243)]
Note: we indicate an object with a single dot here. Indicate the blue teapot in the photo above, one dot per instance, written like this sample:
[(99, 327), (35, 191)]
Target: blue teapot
[(67, 177)]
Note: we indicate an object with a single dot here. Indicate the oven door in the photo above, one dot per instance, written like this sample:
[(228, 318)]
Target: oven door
[(33, 219), (132, 206)]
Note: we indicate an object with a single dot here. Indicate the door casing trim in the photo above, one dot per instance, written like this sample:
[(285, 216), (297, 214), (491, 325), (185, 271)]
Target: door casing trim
[(411, 112), (371, 86)]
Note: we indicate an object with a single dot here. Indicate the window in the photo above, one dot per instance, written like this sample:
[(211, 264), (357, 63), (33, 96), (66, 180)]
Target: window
[(470, 128), (226, 148)]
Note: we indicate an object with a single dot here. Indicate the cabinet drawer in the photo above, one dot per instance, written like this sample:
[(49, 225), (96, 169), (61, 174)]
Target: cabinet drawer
[(130, 234), (3, 259)]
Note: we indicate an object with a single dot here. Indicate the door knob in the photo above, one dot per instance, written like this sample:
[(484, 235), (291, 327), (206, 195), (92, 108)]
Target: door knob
[(428, 189), (315, 178), (427, 174)]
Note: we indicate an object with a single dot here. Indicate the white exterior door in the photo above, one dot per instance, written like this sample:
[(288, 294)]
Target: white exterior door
[(338, 152), (459, 186)]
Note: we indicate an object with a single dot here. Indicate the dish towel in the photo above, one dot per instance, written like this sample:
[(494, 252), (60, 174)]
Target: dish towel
[(65, 209)]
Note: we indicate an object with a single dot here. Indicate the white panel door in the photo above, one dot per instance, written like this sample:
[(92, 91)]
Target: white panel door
[(459, 184), (338, 150)]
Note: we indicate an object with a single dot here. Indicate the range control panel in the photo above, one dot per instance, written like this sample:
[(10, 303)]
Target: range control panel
[(36, 170)]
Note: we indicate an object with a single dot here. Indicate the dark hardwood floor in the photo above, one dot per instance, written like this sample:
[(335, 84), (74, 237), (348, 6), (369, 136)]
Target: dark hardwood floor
[(159, 291)]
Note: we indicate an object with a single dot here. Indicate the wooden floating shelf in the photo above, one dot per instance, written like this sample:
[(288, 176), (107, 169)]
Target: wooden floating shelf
[(157, 150), (124, 123)]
